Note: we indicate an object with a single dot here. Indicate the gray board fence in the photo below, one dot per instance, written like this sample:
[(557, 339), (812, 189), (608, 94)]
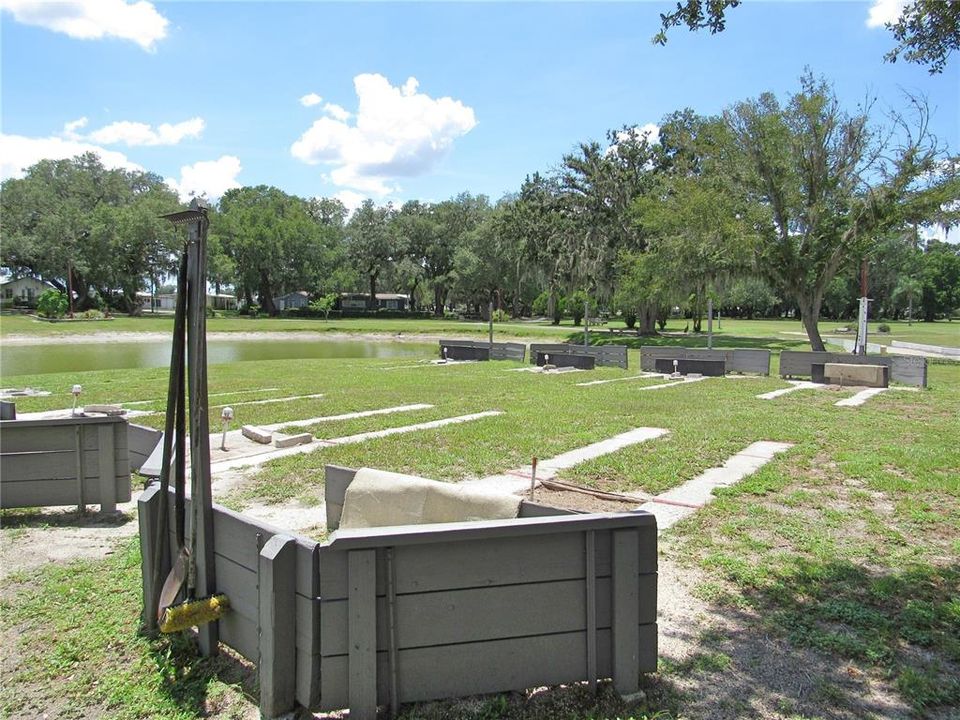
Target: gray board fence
[(64, 461), (740, 360), (473, 350), (905, 369), (605, 355), (384, 616)]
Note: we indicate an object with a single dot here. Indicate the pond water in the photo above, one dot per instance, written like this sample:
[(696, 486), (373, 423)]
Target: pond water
[(78, 357)]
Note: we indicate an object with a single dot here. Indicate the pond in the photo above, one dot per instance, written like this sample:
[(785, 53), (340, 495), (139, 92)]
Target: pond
[(78, 357)]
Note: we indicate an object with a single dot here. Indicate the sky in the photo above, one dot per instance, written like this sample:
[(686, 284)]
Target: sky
[(399, 101)]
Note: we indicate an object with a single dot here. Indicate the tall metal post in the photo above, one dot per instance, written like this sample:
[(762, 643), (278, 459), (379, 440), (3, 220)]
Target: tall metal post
[(490, 318), (586, 323), (201, 494), (709, 323)]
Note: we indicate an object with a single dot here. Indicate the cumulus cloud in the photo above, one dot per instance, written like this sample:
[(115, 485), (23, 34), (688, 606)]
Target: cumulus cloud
[(137, 133), (17, 153), (884, 11), (207, 178), (138, 22), (311, 99), (396, 132), (351, 200), (336, 112)]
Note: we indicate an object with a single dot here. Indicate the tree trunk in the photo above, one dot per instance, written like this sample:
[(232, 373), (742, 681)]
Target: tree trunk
[(647, 319), (372, 303), (809, 315), (266, 296), (439, 295)]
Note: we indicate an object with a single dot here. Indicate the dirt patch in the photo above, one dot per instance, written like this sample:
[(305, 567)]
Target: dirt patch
[(569, 500)]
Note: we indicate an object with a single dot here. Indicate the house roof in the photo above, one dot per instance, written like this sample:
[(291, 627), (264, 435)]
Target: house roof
[(8, 280)]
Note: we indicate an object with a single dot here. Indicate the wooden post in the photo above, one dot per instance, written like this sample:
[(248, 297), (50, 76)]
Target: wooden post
[(709, 323), (278, 629), (108, 469), (490, 318), (200, 427), (148, 512), (586, 323), (362, 634), (625, 640), (590, 543)]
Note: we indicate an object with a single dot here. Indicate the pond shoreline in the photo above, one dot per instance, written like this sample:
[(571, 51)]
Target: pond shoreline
[(99, 338)]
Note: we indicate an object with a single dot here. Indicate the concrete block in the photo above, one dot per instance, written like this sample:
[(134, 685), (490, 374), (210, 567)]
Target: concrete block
[(257, 434), (103, 409), (850, 374), (285, 441)]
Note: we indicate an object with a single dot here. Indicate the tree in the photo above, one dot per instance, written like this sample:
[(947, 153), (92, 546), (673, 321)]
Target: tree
[(820, 186), (926, 32), (940, 280), (79, 225), (371, 242), (274, 243)]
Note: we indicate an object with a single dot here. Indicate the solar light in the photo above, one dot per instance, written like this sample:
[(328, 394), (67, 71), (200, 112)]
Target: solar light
[(75, 391), (226, 415)]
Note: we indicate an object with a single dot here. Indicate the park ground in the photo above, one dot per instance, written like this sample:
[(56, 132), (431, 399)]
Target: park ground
[(826, 585)]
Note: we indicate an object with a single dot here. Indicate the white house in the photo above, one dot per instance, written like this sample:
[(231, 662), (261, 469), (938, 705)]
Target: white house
[(168, 301), (296, 299), (23, 291)]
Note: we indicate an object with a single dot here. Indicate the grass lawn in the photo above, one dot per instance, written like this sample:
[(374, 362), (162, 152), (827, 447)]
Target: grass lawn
[(728, 331), (845, 547)]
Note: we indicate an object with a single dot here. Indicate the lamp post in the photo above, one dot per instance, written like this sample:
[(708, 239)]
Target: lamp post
[(75, 391), (226, 415)]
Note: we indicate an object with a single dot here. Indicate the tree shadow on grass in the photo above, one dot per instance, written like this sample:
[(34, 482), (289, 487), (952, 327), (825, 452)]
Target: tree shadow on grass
[(186, 676), (828, 639), (46, 517)]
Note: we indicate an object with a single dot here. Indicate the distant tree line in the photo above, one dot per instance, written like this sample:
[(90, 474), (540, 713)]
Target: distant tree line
[(770, 208)]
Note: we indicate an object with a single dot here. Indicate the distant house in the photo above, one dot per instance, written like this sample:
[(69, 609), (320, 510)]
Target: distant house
[(168, 301), (296, 299), (385, 301), (22, 291)]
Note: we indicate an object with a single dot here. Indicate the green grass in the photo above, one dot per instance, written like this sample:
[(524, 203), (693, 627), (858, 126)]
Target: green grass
[(846, 546)]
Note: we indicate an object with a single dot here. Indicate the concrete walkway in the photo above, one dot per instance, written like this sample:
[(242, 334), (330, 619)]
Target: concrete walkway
[(346, 416), (518, 480), (680, 502), (641, 376), (861, 397), (794, 386)]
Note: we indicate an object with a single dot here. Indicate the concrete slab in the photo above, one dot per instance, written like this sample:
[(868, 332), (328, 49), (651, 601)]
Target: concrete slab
[(257, 434), (285, 441), (861, 397), (794, 386), (685, 381), (641, 376)]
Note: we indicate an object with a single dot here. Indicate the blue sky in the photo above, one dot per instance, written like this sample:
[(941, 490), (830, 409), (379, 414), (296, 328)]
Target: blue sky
[(208, 95)]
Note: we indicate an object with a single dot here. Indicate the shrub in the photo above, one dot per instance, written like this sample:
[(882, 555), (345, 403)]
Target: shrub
[(630, 320), (52, 304), (92, 315), (883, 327), (500, 316)]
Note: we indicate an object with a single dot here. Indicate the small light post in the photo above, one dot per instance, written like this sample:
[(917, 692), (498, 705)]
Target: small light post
[(226, 415), (75, 391)]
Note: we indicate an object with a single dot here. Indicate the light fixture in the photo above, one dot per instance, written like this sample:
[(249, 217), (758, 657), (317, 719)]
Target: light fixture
[(75, 391), (226, 415)]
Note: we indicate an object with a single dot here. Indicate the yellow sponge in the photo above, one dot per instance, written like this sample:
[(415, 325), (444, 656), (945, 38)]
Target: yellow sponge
[(193, 613)]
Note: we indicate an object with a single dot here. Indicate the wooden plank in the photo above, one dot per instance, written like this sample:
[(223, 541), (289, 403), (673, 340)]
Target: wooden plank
[(625, 640), (278, 628), (148, 518), (362, 629), (365, 538), (476, 614), (108, 489), (479, 563), (474, 668)]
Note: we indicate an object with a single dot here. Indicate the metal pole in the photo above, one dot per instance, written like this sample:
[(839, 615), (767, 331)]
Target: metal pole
[(201, 496), (709, 323), (586, 323), (490, 317)]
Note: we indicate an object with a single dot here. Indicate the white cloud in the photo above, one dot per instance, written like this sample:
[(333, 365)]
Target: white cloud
[(397, 132), (351, 200), (93, 19), (311, 99), (208, 178), (884, 11), (137, 133), (336, 112), (17, 153)]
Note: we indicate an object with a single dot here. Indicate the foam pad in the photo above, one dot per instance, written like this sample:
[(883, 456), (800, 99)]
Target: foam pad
[(376, 498)]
